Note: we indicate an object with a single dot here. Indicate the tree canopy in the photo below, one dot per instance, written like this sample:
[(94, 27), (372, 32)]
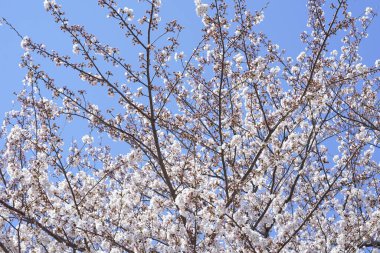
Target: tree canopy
[(230, 147)]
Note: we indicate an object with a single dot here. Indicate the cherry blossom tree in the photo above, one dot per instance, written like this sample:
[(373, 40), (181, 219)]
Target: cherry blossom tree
[(230, 147)]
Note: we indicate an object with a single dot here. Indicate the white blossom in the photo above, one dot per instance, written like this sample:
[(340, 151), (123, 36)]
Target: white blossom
[(295, 69), (200, 8), (236, 140), (25, 43), (258, 18), (301, 56), (76, 48), (129, 13), (368, 11), (239, 58), (86, 139), (48, 4)]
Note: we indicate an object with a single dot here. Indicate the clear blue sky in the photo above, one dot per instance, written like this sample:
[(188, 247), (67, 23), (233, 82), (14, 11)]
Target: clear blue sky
[(284, 20)]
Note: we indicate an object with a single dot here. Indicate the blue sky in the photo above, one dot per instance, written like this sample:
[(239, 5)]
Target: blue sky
[(284, 20)]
